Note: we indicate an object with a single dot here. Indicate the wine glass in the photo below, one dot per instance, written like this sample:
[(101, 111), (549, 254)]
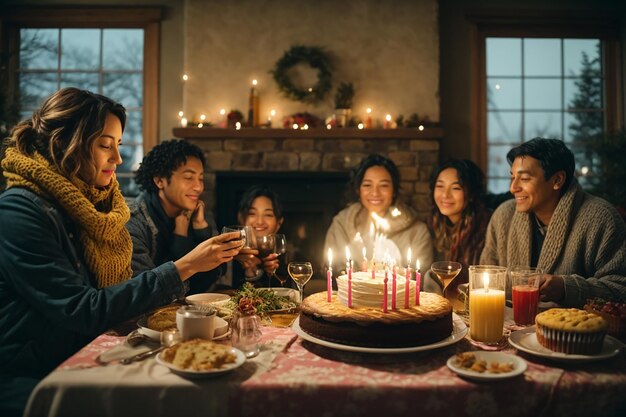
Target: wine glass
[(446, 271), (280, 248), (301, 273), (266, 245)]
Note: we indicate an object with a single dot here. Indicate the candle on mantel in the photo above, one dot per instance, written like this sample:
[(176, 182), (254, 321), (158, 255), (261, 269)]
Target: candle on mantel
[(349, 268), (270, 118), (329, 276), (223, 121), (368, 118), (407, 284), (418, 281), (385, 289), (387, 124), (183, 122), (486, 308), (364, 264), (393, 284)]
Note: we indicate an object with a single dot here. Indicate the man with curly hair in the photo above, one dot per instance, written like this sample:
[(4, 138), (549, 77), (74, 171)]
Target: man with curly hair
[(168, 218)]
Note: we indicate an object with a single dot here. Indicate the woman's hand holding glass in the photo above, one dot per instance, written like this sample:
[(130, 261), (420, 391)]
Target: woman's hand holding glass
[(209, 254)]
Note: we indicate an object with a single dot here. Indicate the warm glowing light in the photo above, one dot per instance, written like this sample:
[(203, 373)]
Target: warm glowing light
[(408, 257), (417, 265), (329, 126), (185, 77), (388, 117), (364, 251), (395, 212), (203, 117), (330, 256), (183, 122), (200, 124), (305, 127), (310, 89), (381, 223), (222, 112), (181, 114), (254, 82), (368, 110), (584, 170), (360, 126), (420, 127), (238, 126), (498, 86), (295, 125), (348, 257), (272, 112)]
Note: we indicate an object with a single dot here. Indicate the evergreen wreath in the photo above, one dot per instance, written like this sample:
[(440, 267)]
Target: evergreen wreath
[(314, 57)]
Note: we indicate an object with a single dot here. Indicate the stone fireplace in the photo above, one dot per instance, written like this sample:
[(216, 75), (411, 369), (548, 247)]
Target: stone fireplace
[(309, 169)]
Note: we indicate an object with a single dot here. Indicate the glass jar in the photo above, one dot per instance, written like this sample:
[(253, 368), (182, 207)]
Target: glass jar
[(246, 333)]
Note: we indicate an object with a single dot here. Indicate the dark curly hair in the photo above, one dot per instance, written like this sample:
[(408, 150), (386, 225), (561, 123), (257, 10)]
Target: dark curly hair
[(163, 160), (373, 160)]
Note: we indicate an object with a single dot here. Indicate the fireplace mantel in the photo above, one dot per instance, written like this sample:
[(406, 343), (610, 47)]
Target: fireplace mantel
[(317, 133), (259, 150)]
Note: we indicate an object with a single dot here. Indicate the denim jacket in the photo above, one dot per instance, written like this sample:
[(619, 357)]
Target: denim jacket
[(50, 306)]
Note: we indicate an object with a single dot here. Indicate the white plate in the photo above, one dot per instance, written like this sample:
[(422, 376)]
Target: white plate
[(221, 329), (526, 341), (519, 366), (240, 358), (208, 299), (459, 330)]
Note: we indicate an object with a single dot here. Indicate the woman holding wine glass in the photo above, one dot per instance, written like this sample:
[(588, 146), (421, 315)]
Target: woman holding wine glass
[(260, 208), (457, 223)]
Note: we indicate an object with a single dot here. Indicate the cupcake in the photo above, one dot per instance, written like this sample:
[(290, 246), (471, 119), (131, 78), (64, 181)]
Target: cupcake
[(569, 330)]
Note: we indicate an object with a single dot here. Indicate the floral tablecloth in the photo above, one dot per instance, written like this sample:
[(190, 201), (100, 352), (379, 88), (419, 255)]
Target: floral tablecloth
[(293, 377)]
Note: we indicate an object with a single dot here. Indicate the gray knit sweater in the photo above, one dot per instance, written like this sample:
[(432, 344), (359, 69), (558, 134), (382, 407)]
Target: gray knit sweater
[(585, 242)]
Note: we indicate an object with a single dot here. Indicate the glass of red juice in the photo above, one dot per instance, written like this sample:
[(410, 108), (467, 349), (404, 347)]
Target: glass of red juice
[(525, 290)]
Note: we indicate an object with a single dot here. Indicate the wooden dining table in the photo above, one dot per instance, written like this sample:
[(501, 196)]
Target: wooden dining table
[(296, 377)]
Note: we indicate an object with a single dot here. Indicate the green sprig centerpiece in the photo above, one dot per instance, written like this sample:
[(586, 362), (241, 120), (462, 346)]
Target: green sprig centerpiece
[(314, 57)]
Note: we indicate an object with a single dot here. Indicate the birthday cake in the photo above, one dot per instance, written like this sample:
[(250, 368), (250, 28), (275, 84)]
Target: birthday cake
[(367, 324)]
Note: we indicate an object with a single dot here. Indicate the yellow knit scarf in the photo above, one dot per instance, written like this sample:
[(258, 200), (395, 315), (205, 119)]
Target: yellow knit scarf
[(101, 214)]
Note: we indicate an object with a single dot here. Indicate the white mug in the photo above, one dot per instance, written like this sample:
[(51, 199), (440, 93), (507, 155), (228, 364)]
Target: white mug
[(195, 322)]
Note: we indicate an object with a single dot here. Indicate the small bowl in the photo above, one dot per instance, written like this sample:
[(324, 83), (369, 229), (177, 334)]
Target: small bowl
[(208, 299), (221, 327)]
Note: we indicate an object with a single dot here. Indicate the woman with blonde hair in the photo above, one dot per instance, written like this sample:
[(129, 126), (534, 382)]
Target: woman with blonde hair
[(65, 255)]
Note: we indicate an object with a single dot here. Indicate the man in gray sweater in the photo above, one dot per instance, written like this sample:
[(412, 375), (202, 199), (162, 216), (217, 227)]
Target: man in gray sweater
[(577, 239)]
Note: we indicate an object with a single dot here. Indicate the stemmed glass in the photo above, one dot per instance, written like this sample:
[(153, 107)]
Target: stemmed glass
[(301, 273), (266, 245), (280, 248), (446, 271)]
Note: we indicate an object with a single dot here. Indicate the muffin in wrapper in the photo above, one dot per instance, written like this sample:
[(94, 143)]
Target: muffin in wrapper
[(571, 331)]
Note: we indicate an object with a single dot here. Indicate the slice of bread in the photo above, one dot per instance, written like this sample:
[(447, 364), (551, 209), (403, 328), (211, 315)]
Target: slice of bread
[(198, 355), (163, 319)]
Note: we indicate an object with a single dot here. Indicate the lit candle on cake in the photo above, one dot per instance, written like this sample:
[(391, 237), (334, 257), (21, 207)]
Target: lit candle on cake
[(385, 289), (486, 308), (407, 284), (393, 284), (329, 276), (364, 264), (349, 269), (418, 280)]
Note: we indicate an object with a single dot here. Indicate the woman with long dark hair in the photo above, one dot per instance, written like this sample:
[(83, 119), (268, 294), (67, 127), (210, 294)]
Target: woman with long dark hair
[(459, 217)]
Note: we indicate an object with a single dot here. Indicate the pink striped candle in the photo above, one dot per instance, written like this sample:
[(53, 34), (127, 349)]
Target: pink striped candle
[(349, 268), (329, 276), (373, 269), (385, 292), (393, 286), (418, 280), (407, 285)]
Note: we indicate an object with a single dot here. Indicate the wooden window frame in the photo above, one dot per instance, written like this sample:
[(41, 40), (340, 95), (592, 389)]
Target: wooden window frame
[(146, 18), (544, 24)]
